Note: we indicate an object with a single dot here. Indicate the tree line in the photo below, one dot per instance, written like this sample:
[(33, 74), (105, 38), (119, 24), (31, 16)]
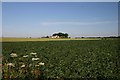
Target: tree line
[(61, 35)]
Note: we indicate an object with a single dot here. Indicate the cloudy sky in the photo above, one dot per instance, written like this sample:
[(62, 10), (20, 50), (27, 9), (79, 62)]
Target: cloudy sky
[(37, 19)]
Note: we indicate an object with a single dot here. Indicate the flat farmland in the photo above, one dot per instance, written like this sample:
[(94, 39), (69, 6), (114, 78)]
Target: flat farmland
[(43, 39), (61, 59)]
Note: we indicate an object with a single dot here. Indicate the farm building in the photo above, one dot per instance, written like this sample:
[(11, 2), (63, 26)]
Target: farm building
[(55, 36)]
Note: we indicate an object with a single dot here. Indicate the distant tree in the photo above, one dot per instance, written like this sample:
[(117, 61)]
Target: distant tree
[(61, 35), (47, 36), (54, 34), (66, 35)]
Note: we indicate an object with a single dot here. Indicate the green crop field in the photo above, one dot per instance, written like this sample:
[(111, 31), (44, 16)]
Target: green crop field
[(61, 59)]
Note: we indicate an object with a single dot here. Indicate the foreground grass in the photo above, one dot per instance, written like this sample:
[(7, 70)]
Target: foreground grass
[(63, 59)]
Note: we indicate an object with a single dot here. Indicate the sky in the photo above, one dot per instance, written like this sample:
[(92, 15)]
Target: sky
[(78, 19), (60, 0)]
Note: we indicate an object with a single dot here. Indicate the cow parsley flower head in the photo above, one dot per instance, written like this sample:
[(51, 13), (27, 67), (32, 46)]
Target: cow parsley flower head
[(35, 59), (33, 53), (41, 63), (11, 64), (25, 56), (13, 55), (37, 65), (22, 66)]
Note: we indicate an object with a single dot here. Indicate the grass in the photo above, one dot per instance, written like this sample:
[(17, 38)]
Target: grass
[(63, 59), (42, 39)]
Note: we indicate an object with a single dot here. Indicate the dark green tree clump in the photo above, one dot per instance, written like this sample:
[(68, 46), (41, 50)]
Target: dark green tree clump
[(61, 35)]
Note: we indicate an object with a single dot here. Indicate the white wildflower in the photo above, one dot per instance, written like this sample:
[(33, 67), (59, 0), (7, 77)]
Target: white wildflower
[(35, 59), (33, 53), (41, 63), (13, 55), (37, 65), (23, 66), (25, 56), (11, 64)]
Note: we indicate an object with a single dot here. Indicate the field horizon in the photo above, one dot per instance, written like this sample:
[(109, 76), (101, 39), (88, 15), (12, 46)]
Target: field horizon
[(14, 39)]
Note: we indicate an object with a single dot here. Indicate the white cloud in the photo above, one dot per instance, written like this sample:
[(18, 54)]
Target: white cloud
[(77, 23)]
